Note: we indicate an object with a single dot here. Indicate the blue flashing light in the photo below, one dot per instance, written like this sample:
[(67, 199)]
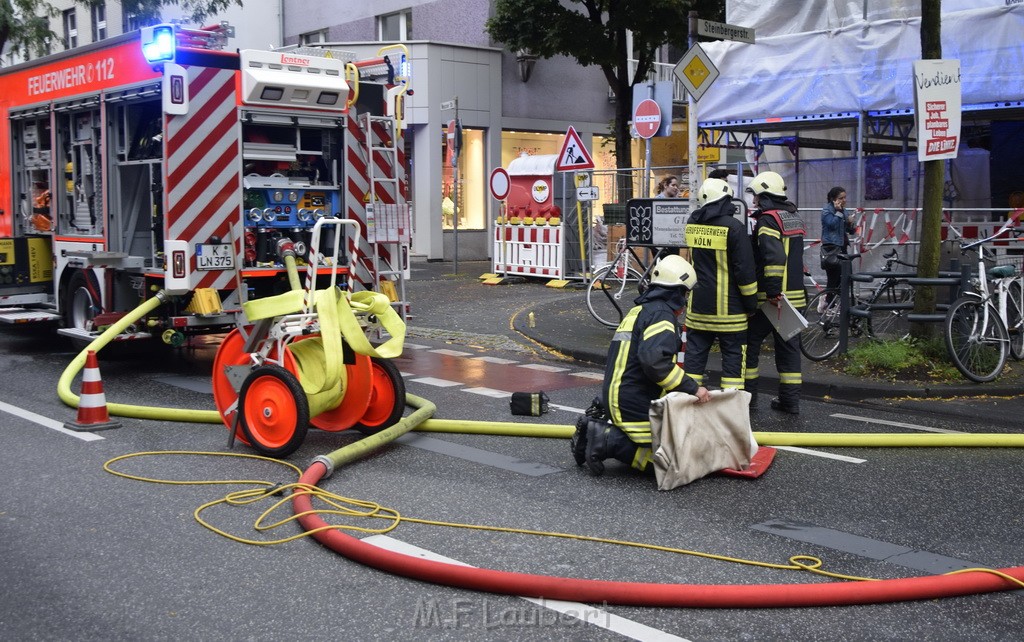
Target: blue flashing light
[(405, 68), (159, 45)]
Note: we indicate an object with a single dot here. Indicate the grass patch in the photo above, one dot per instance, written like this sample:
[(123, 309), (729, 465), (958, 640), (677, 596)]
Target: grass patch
[(904, 360)]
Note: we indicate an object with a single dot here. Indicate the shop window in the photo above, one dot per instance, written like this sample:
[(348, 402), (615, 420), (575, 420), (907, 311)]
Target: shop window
[(472, 190)]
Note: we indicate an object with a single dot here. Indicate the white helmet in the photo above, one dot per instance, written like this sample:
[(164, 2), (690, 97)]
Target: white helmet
[(768, 182), (673, 271), (713, 189)]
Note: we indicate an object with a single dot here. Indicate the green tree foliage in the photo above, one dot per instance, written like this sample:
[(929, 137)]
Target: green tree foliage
[(595, 32), (25, 24)]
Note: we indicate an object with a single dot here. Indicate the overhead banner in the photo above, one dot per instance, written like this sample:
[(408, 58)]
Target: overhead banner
[(937, 108)]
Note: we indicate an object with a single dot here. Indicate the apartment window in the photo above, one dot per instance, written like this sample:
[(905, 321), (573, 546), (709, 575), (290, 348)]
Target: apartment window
[(70, 29), (395, 26), (99, 21), (313, 37)]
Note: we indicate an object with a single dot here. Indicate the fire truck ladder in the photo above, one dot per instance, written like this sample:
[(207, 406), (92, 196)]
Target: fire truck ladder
[(387, 225)]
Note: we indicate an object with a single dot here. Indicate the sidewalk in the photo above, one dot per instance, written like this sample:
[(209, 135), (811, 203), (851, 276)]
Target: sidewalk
[(561, 322)]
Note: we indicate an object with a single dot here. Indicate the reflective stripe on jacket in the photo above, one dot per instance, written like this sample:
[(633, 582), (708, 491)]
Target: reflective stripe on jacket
[(779, 255), (641, 362), (726, 290)]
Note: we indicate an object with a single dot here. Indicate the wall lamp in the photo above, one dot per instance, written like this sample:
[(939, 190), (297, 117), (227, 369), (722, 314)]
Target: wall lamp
[(525, 61)]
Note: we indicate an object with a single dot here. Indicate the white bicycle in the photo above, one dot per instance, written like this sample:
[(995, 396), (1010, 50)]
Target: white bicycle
[(987, 323)]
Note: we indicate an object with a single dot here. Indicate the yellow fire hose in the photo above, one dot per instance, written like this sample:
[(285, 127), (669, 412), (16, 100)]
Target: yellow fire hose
[(512, 429)]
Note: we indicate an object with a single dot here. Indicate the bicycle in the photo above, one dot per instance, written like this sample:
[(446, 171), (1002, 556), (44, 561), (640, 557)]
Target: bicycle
[(985, 324), (880, 315), (617, 283)]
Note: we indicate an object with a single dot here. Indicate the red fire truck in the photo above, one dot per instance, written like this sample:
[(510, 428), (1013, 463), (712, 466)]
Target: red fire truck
[(158, 160)]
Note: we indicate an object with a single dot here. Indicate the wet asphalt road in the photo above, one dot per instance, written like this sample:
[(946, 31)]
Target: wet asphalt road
[(90, 556)]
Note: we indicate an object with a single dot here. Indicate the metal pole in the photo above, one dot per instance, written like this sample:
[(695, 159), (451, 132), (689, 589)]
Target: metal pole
[(844, 304), (691, 123), (455, 176)]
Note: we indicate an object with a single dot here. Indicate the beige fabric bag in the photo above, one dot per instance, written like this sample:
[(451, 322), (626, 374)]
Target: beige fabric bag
[(691, 440)]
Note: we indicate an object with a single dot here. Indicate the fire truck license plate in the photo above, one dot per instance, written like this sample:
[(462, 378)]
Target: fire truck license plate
[(214, 257)]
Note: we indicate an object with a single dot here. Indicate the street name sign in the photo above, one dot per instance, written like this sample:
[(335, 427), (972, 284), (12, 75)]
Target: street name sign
[(724, 31)]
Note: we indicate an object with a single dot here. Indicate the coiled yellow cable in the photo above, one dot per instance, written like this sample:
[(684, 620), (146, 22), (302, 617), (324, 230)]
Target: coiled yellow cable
[(348, 507)]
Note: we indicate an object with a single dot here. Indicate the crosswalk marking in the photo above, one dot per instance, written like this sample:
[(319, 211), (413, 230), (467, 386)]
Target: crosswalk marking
[(497, 360), (488, 392), (415, 346), (596, 376), (451, 353), (434, 381), (543, 368)]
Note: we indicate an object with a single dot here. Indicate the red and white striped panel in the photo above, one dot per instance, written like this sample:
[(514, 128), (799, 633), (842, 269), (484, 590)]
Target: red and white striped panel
[(528, 250), (203, 185), (357, 159)]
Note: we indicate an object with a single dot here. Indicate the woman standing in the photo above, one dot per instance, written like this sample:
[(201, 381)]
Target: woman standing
[(836, 227)]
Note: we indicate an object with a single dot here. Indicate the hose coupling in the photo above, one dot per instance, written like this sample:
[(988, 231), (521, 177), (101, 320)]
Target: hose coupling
[(327, 464)]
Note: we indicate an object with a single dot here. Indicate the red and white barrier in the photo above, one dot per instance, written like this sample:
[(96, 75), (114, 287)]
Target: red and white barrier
[(528, 250)]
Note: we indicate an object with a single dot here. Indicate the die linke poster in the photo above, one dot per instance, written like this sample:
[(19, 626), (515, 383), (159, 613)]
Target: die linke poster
[(937, 108)]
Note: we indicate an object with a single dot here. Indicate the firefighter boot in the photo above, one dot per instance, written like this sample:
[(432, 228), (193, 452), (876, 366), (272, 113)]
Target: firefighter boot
[(578, 443), (788, 400), (597, 445)]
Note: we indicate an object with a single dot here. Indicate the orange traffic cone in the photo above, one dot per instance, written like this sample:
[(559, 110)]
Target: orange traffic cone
[(92, 405)]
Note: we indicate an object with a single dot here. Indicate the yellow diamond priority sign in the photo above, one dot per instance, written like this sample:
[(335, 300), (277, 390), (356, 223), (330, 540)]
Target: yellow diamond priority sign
[(696, 71)]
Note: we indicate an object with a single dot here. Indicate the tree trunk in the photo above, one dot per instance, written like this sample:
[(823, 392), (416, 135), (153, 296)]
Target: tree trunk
[(934, 177)]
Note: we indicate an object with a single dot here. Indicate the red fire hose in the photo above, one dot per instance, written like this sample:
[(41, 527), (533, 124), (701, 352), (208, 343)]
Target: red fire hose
[(644, 594)]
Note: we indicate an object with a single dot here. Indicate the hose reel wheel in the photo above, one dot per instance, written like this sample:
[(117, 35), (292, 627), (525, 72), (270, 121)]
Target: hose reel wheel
[(387, 397), (273, 411)]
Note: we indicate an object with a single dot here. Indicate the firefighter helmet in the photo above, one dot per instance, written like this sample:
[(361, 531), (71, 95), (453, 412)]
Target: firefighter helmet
[(713, 189), (674, 271), (768, 183)]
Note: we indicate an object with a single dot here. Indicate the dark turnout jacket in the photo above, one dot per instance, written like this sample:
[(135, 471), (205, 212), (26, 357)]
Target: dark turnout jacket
[(720, 250), (779, 250), (641, 363)]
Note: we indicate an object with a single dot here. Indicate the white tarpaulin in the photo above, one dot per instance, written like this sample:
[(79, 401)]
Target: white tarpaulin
[(862, 66), (691, 440)]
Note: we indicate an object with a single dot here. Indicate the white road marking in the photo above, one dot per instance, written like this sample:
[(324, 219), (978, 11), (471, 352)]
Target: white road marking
[(46, 422), (818, 453), (488, 392), (543, 368), (597, 376), (559, 406), (497, 360), (898, 424), (584, 612), (440, 383), (451, 353)]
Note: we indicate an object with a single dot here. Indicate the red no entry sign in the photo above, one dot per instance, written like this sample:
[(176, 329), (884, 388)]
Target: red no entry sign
[(499, 183), (647, 118)]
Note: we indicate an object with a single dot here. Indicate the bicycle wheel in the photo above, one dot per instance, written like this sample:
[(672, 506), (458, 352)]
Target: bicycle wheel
[(1015, 319), (978, 348), (820, 339), (889, 323), (611, 292)]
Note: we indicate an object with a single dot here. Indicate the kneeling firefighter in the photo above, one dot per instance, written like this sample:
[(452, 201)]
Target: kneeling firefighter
[(641, 367)]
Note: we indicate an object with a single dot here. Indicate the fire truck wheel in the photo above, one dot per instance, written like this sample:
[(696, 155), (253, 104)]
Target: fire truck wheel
[(79, 305), (387, 398), (275, 411)]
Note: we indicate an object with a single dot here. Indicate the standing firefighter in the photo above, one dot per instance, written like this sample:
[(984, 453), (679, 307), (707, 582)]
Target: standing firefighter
[(725, 294), (779, 255), (641, 368)]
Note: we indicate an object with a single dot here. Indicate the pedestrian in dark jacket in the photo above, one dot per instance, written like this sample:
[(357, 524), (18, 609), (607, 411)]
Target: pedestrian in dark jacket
[(726, 291), (641, 367), (836, 227), (778, 243)]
